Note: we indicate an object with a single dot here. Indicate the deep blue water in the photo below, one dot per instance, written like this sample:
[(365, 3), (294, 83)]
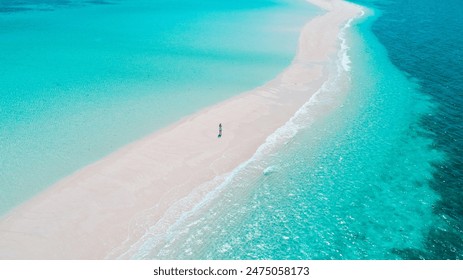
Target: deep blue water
[(425, 39)]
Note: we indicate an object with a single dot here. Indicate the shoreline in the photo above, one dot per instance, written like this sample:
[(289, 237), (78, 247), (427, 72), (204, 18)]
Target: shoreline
[(90, 213)]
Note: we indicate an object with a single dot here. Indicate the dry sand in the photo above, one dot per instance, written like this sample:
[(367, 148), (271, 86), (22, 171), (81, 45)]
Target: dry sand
[(88, 214)]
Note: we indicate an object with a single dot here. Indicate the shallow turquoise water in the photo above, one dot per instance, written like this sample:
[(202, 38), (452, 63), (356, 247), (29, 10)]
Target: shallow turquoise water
[(80, 79), (355, 184)]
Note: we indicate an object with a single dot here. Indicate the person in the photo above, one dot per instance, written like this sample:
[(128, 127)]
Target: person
[(220, 130)]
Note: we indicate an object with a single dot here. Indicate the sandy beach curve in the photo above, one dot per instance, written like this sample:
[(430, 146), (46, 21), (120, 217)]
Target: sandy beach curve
[(91, 212)]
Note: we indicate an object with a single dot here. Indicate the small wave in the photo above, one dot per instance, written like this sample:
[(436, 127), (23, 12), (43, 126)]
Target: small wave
[(270, 170), (343, 55)]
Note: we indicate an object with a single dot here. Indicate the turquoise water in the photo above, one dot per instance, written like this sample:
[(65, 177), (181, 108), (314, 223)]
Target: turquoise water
[(378, 177), (80, 79), (429, 51)]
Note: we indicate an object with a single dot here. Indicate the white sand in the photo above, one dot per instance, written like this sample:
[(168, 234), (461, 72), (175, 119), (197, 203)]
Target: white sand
[(88, 214)]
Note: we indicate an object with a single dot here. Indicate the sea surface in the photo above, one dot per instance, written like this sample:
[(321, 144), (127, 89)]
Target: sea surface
[(379, 175), (80, 79), (371, 168)]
